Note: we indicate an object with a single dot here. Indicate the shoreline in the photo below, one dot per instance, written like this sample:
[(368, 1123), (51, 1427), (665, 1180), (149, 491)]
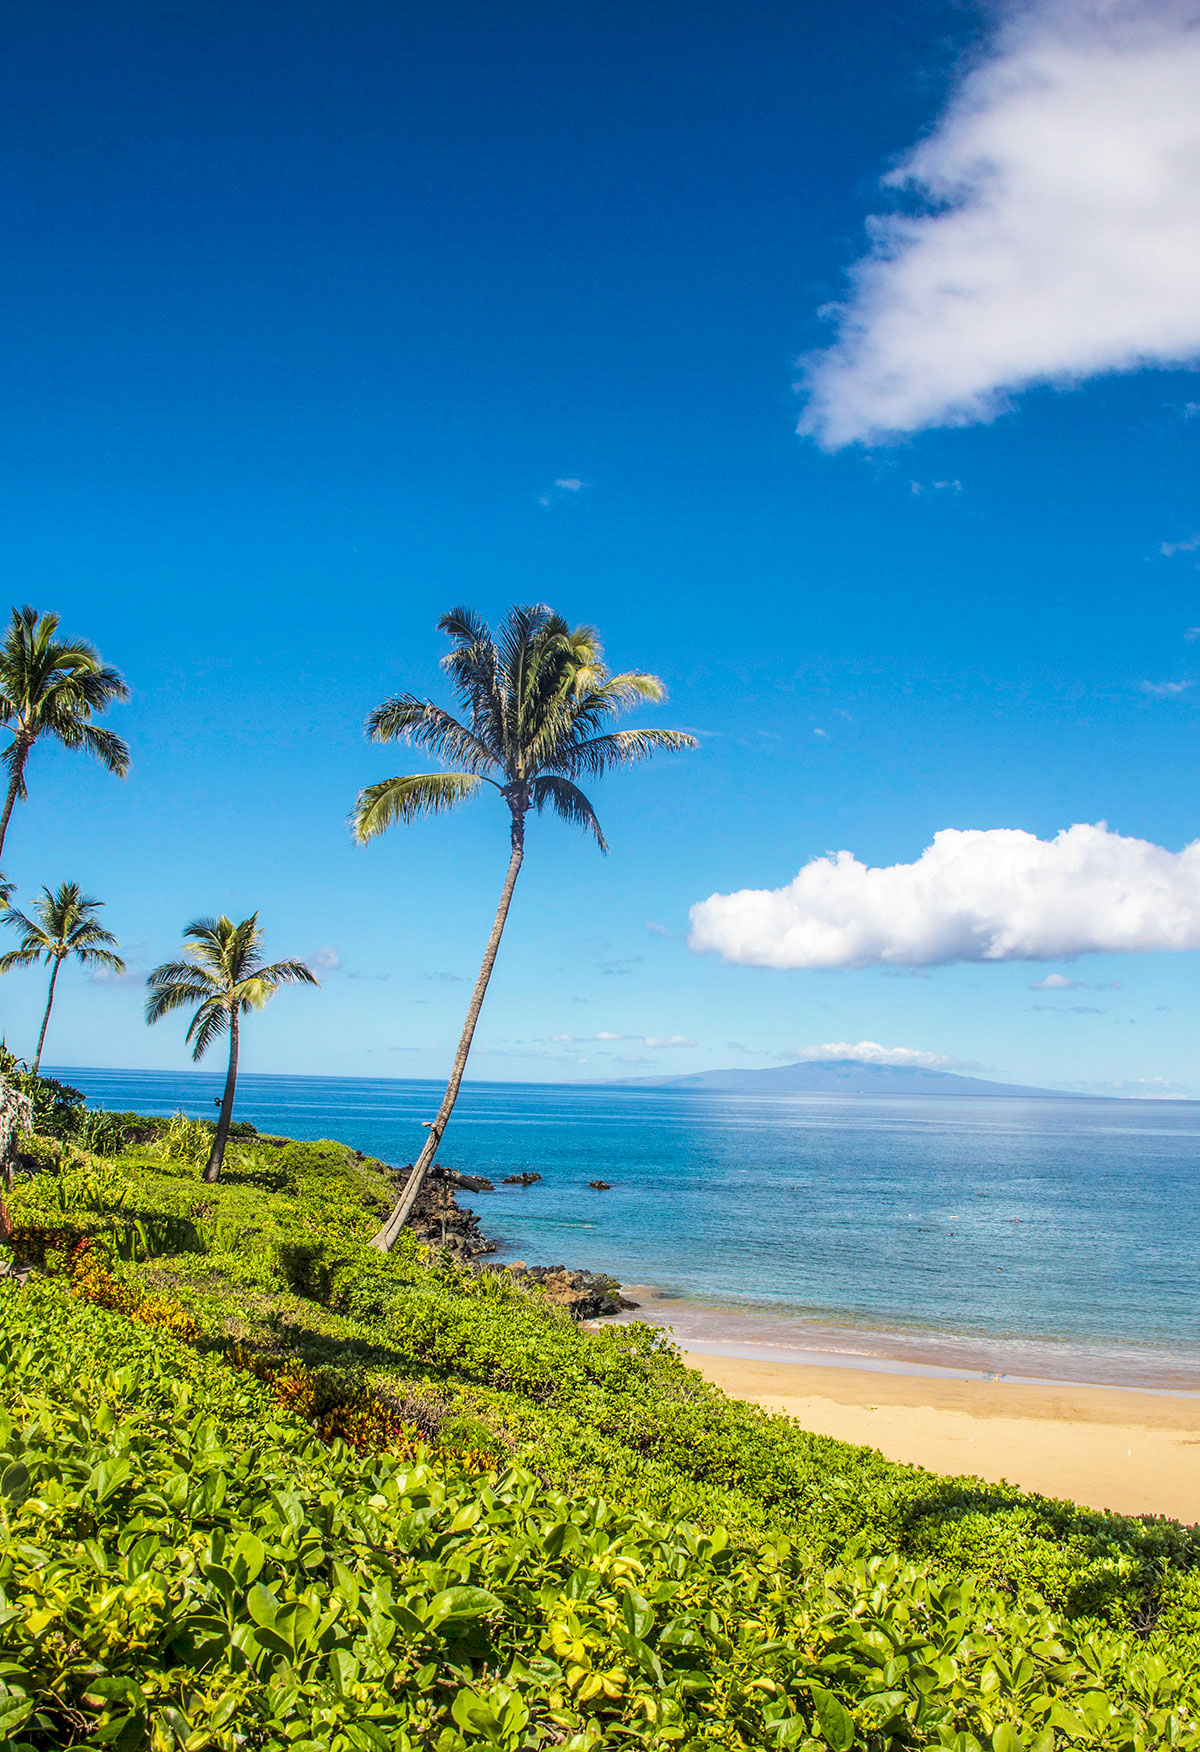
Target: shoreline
[(771, 1335), (1134, 1452)]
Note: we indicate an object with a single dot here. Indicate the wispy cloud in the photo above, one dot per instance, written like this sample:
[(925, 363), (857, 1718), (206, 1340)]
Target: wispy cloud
[(995, 894), (565, 487), (607, 1037), (657, 930), (325, 960), (447, 978), (1055, 982), (920, 487), (1052, 230), (1171, 548), (1165, 690)]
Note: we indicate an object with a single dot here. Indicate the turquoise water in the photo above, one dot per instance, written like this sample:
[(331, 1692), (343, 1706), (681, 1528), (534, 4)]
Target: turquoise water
[(1044, 1237)]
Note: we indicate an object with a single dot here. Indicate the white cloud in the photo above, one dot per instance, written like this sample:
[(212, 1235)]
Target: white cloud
[(996, 894), (1165, 690), (564, 484), (1170, 548), (1057, 230), (1055, 982), (326, 960), (606, 1035), (869, 1052)]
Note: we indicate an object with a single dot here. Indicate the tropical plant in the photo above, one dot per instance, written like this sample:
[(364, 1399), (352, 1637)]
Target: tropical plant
[(223, 976), (538, 700), (65, 926), (57, 1107), (53, 687)]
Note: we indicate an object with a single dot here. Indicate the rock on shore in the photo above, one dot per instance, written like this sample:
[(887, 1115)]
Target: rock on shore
[(438, 1220)]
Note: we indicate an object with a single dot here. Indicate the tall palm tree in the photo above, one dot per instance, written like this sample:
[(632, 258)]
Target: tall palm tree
[(53, 687), (538, 700), (65, 925), (223, 975)]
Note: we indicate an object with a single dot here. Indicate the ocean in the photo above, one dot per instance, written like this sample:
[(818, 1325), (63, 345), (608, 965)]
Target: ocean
[(1046, 1239)]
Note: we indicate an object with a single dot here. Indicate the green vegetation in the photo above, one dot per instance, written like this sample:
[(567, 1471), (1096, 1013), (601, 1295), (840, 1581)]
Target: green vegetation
[(538, 700), (64, 928), (53, 687), (223, 975), (264, 1487)]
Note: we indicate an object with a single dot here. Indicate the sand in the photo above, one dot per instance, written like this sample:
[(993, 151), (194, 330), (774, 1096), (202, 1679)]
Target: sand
[(1138, 1453)]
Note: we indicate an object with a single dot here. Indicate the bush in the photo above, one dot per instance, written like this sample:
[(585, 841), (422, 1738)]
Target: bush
[(182, 1566)]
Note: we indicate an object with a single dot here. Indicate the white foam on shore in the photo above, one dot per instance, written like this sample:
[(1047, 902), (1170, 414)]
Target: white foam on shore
[(769, 1335)]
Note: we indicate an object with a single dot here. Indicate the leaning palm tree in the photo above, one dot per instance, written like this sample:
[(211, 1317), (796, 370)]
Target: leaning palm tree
[(53, 687), (223, 975), (65, 926), (538, 700)]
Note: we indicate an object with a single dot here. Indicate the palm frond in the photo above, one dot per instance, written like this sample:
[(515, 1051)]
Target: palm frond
[(19, 958), (164, 999), (550, 792), (621, 748), (107, 747), (429, 727), (100, 958), (408, 798), (207, 1025), (281, 973)]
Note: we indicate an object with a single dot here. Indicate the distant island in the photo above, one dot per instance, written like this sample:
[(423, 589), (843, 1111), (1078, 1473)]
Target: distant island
[(839, 1077)]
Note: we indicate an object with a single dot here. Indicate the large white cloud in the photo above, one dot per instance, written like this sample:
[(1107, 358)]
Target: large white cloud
[(869, 1052), (996, 894), (1059, 230)]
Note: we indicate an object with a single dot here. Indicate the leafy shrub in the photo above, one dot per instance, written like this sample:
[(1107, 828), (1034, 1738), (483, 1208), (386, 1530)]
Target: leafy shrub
[(182, 1565), (56, 1106), (186, 1140)]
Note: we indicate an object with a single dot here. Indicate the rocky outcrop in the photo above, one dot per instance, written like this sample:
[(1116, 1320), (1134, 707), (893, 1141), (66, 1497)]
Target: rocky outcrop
[(439, 1220), (585, 1294), (520, 1179)]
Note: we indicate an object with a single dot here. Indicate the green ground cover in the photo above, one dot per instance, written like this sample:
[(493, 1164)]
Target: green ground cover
[(262, 1487)]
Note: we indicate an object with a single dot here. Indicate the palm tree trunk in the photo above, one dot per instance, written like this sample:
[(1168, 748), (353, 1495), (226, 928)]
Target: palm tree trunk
[(216, 1156), (385, 1240), (14, 788), (37, 1057)]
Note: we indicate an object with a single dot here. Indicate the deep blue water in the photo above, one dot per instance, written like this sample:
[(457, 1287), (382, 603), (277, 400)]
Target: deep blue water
[(1059, 1230)]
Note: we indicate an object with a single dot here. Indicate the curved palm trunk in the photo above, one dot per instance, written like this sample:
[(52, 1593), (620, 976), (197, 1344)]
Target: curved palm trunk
[(14, 791), (385, 1240), (216, 1156), (37, 1057)]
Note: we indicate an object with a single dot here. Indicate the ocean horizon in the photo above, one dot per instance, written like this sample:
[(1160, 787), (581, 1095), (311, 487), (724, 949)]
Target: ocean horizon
[(1041, 1238)]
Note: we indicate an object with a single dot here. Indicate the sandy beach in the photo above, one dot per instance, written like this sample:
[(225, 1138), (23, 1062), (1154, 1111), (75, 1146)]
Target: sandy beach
[(1138, 1453)]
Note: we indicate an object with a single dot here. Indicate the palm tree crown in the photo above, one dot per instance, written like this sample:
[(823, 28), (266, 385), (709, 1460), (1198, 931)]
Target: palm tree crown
[(65, 925), (223, 975), (53, 687), (538, 702)]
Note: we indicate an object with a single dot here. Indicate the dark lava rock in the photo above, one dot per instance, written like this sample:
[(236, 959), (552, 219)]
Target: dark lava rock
[(520, 1179), (600, 1185), (461, 1182), (439, 1220), (585, 1294)]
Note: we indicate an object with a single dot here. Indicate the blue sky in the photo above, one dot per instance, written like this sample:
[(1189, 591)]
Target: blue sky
[(306, 311)]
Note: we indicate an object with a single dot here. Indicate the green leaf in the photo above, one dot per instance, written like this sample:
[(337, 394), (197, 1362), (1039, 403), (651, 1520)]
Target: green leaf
[(14, 1482), (261, 1604), (462, 1602), (837, 1724)]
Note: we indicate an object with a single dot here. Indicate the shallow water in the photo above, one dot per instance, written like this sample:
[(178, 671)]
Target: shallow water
[(1050, 1237)]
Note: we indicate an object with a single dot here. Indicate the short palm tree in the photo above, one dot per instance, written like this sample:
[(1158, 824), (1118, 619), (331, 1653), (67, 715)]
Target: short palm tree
[(53, 687), (223, 976), (538, 701), (65, 926)]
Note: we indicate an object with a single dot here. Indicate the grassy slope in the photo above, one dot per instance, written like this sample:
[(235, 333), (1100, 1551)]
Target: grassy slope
[(1061, 1604)]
